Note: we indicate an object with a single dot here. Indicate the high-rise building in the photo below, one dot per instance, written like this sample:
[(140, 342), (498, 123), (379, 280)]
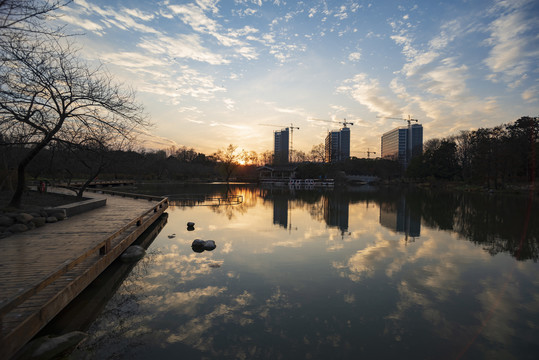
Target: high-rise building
[(403, 143), (280, 149), (337, 145)]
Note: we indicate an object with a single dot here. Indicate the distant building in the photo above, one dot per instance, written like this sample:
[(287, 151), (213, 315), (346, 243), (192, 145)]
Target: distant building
[(280, 150), (337, 147), (403, 143), (278, 172)]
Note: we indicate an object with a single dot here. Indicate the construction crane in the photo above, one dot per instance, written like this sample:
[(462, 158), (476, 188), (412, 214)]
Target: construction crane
[(409, 120), (291, 127), (330, 121), (369, 153)]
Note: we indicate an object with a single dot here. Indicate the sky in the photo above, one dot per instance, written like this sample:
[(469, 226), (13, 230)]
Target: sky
[(216, 72)]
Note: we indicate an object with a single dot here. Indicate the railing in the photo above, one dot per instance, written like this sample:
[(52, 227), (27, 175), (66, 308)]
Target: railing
[(97, 182), (126, 194), (103, 248), (204, 200)]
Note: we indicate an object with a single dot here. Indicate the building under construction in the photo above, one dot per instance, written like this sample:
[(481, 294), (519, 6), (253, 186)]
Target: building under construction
[(337, 147), (403, 143), (280, 148)]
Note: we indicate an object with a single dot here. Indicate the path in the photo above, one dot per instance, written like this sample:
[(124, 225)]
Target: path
[(42, 270)]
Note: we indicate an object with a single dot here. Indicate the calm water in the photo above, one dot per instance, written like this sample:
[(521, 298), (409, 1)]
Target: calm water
[(381, 274)]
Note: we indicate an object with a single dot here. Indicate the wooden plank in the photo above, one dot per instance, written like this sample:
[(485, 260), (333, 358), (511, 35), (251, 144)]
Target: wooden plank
[(29, 301)]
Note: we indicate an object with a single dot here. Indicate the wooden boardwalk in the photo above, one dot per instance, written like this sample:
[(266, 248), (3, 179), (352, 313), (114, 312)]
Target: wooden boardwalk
[(42, 270)]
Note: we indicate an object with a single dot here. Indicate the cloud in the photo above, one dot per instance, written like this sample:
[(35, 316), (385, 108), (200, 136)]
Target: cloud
[(132, 59), (369, 93), (83, 23), (341, 14), (182, 46), (447, 80), (229, 103), (195, 17), (152, 141), (509, 53), (531, 94), (125, 20), (294, 111), (355, 56), (209, 5)]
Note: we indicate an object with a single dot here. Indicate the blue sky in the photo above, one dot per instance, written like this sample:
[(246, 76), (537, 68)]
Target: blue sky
[(209, 72)]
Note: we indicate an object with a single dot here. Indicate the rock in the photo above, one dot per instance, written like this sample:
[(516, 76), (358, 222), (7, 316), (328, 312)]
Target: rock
[(6, 220), (17, 228), (60, 215), (39, 221), (55, 211), (198, 244), (190, 224), (209, 245), (172, 236), (132, 254), (52, 219), (201, 245), (24, 218), (30, 225), (48, 347)]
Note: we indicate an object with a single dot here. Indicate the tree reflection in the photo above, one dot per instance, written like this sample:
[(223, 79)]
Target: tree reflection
[(495, 221)]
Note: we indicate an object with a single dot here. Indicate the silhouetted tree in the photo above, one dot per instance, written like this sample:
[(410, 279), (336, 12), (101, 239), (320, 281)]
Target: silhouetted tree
[(25, 17), (523, 136), (227, 160), (317, 153), (47, 93)]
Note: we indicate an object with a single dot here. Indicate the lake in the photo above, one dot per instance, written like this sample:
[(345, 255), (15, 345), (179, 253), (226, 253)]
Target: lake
[(356, 273)]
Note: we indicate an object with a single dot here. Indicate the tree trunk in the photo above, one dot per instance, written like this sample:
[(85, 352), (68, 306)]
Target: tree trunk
[(88, 181), (21, 180)]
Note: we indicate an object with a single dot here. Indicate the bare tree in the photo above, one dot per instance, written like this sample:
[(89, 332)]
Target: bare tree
[(249, 157), (266, 157), (48, 93), (92, 148), (318, 153), (27, 15), (228, 160), (298, 156)]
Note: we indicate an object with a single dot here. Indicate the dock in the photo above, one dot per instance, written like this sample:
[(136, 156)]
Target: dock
[(43, 270), (98, 183)]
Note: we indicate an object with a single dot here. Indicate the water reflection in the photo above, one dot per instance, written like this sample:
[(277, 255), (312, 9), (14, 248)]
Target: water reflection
[(400, 217), (267, 292), (280, 211), (336, 211)]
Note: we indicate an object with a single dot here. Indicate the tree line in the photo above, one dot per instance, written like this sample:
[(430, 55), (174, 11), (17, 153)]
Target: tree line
[(490, 157)]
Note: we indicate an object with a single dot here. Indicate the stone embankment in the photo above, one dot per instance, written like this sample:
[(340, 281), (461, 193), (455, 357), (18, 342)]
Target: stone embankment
[(24, 220)]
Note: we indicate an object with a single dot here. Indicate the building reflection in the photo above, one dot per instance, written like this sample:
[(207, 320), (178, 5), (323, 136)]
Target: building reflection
[(336, 211), (280, 211), (399, 217)]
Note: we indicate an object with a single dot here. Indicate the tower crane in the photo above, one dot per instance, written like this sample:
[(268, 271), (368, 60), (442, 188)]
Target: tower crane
[(409, 120), (369, 153), (291, 127), (344, 122)]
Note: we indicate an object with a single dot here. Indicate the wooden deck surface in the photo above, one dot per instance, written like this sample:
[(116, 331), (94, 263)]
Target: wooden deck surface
[(42, 270)]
